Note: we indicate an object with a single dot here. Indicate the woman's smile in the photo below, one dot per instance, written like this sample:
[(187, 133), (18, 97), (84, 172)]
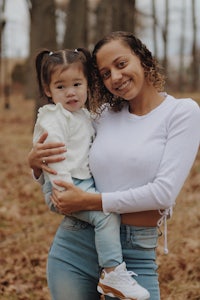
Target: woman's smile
[(122, 87)]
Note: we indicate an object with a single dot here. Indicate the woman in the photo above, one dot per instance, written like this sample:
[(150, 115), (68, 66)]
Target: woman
[(145, 145)]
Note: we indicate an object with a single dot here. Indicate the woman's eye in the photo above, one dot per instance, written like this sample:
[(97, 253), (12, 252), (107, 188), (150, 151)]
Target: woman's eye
[(121, 64), (77, 84), (105, 75)]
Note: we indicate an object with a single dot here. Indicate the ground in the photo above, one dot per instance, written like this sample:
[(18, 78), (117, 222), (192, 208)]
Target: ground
[(27, 227)]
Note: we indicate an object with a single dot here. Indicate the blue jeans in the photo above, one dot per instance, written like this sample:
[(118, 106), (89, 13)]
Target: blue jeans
[(73, 269), (106, 226)]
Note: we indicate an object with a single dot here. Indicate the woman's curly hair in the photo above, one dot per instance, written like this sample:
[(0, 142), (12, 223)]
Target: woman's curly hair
[(152, 72)]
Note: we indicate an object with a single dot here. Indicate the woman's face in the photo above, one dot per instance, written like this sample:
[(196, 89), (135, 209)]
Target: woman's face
[(120, 70)]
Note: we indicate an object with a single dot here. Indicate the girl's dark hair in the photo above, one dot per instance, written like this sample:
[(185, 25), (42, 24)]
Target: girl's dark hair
[(152, 70), (46, 63)]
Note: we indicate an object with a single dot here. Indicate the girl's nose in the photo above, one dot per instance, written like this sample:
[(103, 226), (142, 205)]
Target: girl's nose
[(70, 92)]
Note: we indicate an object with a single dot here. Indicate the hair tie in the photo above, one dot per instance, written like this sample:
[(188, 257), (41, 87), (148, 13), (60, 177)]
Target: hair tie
[(50, 53), (76, 50)]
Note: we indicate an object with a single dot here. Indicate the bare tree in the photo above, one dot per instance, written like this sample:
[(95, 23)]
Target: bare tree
[(182, 45), (114, 15), (2, 22), (77, 26), (43, 25), (154, 15), (165, 33), (42, 35), (195, 53), (5, 86), (103, 18), (123, 15)]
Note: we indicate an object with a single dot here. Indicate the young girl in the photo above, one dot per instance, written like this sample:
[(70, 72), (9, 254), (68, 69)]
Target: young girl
[(64, 79)]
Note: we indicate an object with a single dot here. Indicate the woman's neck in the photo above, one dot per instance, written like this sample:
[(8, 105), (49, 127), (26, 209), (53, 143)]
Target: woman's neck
[(145, 103)]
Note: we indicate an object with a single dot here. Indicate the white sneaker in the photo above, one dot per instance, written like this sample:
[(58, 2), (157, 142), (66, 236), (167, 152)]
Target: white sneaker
[(119, 283)]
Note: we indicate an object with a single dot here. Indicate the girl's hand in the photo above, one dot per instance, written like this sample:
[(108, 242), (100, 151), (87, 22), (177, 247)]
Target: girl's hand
[(70, 200), (43, 153)]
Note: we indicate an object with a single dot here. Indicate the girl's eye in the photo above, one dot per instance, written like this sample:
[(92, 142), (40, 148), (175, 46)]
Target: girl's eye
[(60, 87)]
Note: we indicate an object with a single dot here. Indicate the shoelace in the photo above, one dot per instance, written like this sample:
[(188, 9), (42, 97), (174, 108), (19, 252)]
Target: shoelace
[(164, 214), (127, 275)]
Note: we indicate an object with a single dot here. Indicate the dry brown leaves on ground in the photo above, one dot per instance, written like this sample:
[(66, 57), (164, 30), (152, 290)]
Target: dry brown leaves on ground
[(27, 227)]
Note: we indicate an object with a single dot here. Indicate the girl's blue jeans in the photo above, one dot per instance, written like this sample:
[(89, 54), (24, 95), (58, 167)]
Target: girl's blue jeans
[(106, 226), (73, 270)]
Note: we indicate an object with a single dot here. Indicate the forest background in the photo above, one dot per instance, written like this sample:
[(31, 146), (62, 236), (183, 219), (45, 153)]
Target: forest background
[(26, 225)]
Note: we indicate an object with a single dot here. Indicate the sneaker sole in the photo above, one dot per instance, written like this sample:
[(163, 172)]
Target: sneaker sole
[(108, 291)]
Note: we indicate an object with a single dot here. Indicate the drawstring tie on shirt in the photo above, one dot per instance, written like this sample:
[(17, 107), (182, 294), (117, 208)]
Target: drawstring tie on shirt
[(164, 215)]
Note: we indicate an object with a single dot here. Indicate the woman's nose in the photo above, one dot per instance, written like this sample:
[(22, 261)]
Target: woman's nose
[(116, 75)]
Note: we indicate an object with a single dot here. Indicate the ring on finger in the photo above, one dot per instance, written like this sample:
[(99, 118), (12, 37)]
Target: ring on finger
[(44, 162)]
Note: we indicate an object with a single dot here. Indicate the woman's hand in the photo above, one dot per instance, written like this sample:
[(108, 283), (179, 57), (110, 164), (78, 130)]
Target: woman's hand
[(68, 201), (73, 199), (44, 153)]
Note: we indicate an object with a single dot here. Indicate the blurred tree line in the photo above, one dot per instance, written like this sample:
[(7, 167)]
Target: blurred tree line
[(84, 22), (57, 24)]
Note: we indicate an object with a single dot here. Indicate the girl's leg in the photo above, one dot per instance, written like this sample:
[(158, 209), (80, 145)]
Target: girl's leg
[(107, 236), (107, 229), (72, 269), (138, 245)]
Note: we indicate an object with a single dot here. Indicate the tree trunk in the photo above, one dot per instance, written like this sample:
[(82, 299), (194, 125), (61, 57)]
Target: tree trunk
[(4, 81), (181, 54), (165, 37), (113, 16), (42, 35), (153, 8), (123, 15), (76, 31), (2, 23), (195, 56)]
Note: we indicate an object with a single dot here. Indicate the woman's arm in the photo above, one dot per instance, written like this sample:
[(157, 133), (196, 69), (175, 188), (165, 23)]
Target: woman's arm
[(180, 151), (48, 153), (181, 147)]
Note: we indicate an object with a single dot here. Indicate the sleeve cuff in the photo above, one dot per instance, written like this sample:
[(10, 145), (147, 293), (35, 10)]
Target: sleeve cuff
[(40, 179)]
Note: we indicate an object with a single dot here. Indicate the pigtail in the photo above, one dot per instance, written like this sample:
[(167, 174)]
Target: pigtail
[(39, 61), (85, 52), (89, 64), (89, 72)]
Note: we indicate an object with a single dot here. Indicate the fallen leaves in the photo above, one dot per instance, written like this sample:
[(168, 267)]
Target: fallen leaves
[(27, 227)]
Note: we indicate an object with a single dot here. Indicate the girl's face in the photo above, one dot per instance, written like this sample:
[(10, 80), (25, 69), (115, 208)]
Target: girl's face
[(120, 70), (68, 87)]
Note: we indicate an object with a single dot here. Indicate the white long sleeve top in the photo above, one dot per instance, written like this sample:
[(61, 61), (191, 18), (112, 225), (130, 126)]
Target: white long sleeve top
[(76, 131), (141, 162)]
